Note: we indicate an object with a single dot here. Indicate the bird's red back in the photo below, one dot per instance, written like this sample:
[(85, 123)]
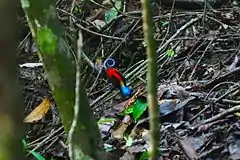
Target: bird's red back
[(115, 77), (114, 73)]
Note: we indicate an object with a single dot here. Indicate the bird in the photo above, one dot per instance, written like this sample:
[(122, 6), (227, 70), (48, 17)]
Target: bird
[(116, 78)]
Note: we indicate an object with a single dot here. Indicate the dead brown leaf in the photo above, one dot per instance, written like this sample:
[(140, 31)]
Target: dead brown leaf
[(119, 133), (39, 112)]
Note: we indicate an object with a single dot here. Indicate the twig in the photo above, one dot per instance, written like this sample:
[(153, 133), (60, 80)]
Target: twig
[(210, 43), (222, 83), (170, 19), (204, 13), (221, 78), (218, 116), (161, 48), (47, 138)]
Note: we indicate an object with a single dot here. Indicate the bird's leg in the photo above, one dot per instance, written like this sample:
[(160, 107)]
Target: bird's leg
[(110, 87)]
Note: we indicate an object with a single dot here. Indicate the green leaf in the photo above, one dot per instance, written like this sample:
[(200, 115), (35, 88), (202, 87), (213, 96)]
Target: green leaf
[(129, 141), (47, 40), (25, 3), (144, 156), (129, 110), (104, 120), (170, 53), (138, 109), (163, 23), (108, 149), (37, 155), (77, 10), (237, 114), (113, 12), (24, 143)]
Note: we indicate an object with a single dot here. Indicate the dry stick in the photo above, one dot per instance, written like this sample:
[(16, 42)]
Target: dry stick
[(221, 78), (199, 113), (97, 4), (98, 34), (213, 150), (36, 141), (71, 11), (54, 140), (233, 89), (22, 42), (152, 78), (188, 57), (218, 116), (215, 100), (204, 13), (133, 66), (220, 84), (161, 48), (99, 99), (46, 139), (170, 19), (228, 101), (223, 24), (208, 46)]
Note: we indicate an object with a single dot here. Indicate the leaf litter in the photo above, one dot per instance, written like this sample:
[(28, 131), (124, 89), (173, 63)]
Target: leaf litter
[(198, 93)]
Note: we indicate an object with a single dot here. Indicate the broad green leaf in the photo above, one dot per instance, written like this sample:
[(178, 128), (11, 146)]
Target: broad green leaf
[(37, 155), (170, 53), (113, 12), (144, 156), (138, 109), (47, 40)]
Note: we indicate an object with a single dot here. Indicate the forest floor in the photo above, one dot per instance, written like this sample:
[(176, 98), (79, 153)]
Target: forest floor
[(198, 53)]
